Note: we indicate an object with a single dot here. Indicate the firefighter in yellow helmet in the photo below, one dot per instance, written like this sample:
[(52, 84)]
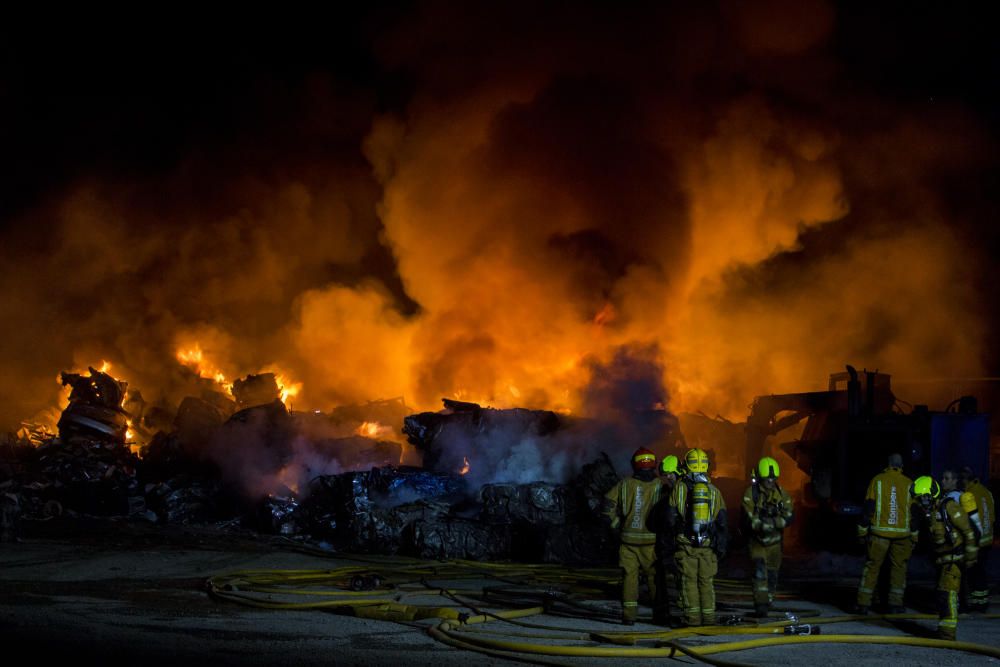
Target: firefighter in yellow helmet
[(886, 530), (954, 545), (658, 522), (767, 509), (977, 502), (626, 507), (698, 521)]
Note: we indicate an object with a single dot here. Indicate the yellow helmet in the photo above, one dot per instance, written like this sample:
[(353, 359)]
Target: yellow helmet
[(768, 467), (925, 486), (669, 465), (696, 460)]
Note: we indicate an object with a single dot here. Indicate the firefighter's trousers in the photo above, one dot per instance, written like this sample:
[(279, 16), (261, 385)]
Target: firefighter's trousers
[(766, 560), (979, 581), (697, 567), (898, 550), (666, 577), (949, 581), (634, 559)]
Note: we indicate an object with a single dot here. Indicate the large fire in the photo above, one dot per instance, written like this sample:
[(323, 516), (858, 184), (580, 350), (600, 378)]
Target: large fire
[(547, 223)]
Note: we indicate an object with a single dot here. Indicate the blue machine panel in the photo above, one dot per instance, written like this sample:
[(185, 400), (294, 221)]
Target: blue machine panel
[(959, 440)]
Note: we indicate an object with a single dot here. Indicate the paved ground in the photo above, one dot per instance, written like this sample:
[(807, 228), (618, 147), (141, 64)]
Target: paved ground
[(113, 594)]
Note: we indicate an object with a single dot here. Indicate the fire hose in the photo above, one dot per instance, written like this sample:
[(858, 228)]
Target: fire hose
[(394, 582)]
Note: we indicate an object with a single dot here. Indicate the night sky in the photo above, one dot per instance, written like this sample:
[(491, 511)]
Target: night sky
[(425, 200)]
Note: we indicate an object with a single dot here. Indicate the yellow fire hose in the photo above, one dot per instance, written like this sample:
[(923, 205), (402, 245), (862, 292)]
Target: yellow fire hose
[(265, 588), (671, 649)]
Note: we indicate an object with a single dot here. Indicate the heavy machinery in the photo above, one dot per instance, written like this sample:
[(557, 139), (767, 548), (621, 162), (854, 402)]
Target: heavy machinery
[(851, 430)]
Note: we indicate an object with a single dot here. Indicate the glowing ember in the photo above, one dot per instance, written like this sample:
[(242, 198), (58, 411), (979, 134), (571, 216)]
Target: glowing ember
[(465, 467), (369, 429)]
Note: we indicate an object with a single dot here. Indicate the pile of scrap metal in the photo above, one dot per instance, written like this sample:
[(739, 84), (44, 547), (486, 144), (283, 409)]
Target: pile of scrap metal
[(179, 476), (370, 503), (411, 511), (88, 468)]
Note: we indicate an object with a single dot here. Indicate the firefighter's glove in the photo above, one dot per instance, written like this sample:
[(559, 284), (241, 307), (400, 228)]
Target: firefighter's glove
[(863, 535)]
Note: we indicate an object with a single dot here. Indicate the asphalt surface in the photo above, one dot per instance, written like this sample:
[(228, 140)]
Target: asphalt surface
[(100, 592)]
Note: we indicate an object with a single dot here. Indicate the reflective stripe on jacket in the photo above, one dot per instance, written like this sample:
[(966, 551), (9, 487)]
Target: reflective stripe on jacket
[(888, 501), (767, 511), (950, 530), (628, 504)]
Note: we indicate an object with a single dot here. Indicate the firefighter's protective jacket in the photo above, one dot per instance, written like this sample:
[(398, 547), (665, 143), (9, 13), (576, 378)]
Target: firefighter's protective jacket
[(986, 510), (627, 505), (887, 506), (951, 533), (767, 512)]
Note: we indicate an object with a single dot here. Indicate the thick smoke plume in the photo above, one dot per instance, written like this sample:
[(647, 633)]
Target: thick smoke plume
[(690, 196)]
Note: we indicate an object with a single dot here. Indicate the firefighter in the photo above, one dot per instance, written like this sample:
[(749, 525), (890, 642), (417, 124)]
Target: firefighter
[(626, 507), (949, 484), (697, 519), (767, 509), (977, 501), (886, 530), (658, 523), (954, 544)]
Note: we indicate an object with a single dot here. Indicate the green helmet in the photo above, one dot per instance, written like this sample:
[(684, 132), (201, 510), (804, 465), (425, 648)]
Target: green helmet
[(925, 486), (768, 467), (669, 465)]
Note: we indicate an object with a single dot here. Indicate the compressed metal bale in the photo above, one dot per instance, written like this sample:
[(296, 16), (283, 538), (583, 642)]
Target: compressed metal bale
[(185, 499), (580, 544), (458, 538), (394, 485), (385, 528), (10, 516), (535, 503), (367, 511), (279, 515)]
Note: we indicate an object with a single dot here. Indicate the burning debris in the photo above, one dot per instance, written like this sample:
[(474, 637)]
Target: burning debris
[(256, 390), (333, 478), (95, 407), (435, 433)]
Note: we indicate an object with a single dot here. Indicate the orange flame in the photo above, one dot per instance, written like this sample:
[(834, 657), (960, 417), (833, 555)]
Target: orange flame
[(194, 358), (465, 467), (369, 429), (287, 388), (134, 446)]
